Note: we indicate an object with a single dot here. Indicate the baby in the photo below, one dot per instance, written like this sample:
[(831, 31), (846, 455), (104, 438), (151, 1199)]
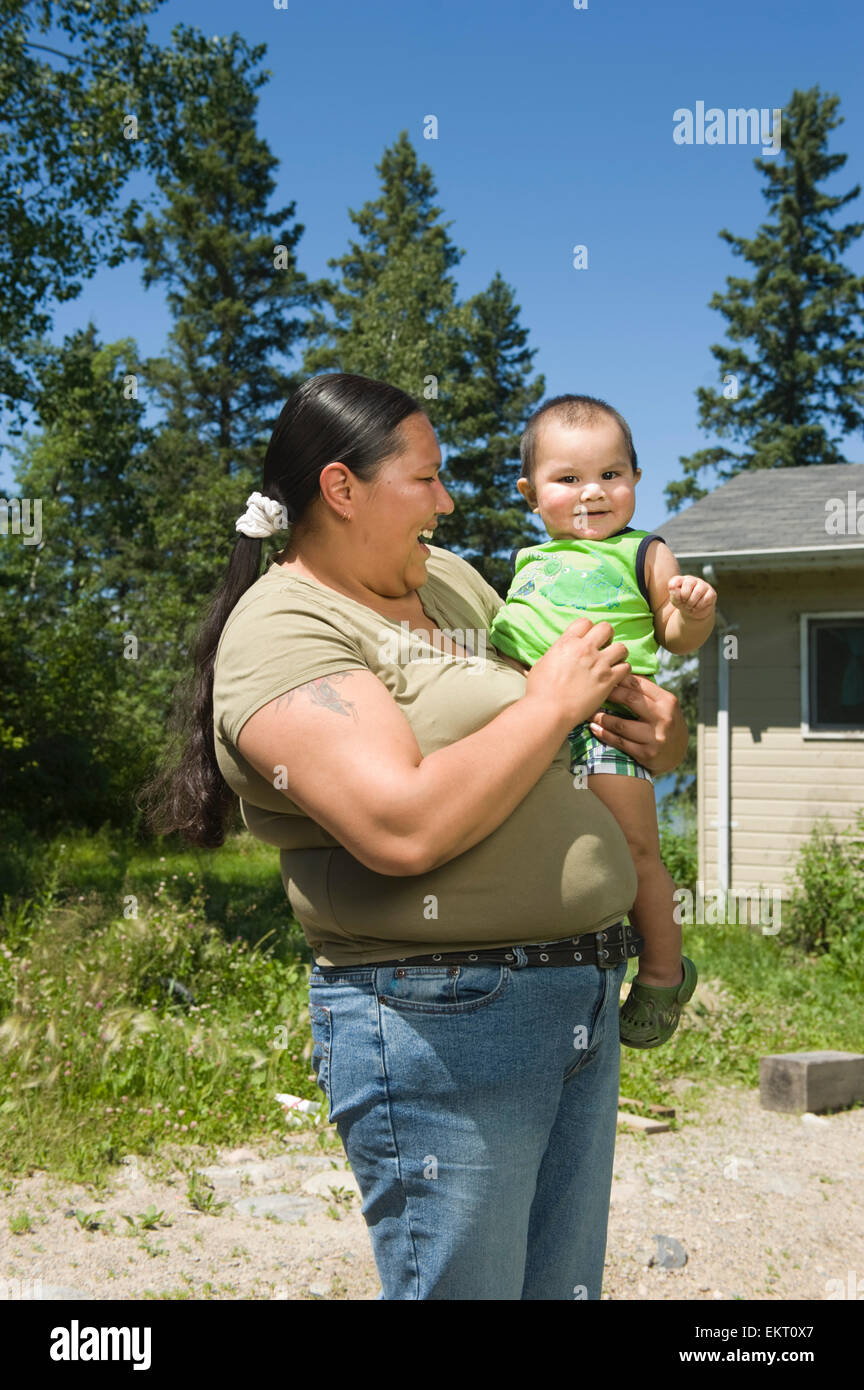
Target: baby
[(579, 472)]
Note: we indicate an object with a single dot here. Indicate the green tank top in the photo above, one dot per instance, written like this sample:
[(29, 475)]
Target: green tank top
[(561, 580)]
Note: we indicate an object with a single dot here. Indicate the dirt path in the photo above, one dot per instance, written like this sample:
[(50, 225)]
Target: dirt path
[(765, 1205)]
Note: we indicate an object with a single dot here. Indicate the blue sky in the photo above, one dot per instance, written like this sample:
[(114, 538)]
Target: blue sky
[(554, 129)]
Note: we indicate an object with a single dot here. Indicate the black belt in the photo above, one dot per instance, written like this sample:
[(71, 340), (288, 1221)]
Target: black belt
[(605, 948)]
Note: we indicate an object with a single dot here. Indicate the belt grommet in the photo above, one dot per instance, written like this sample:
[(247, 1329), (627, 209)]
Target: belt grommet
[(508, 957), (436, 957), (604, 954), (543, 955), (472, 957), (601, 936), (577, 955)]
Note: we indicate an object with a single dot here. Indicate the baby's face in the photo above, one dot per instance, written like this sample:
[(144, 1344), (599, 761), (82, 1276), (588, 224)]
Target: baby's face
[(584, 485)]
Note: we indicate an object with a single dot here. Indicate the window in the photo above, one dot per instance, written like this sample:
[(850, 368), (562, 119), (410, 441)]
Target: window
[(832, 674)]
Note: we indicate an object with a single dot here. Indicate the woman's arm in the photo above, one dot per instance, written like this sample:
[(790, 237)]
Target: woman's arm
[(658, 739), (343, 751)]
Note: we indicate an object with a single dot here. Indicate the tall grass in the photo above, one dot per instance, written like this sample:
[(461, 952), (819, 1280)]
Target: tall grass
[(121, 1032), (148, 994)]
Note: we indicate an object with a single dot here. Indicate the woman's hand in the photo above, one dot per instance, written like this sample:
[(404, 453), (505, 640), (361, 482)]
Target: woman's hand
[(658, 737), (579, 670)]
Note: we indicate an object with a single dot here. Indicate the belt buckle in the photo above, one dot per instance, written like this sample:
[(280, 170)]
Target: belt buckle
[(609, 955)]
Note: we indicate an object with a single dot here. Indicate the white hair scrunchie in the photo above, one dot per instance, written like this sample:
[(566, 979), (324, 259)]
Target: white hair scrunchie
[(262, 517)]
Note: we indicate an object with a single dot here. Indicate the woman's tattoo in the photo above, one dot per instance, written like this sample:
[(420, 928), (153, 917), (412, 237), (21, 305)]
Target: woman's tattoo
[(321, 692)]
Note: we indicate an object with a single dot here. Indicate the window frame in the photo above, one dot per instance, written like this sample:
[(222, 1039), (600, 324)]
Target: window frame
[(804, 630)]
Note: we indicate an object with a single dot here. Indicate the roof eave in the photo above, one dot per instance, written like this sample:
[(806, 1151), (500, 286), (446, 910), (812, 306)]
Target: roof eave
[(786, 558)]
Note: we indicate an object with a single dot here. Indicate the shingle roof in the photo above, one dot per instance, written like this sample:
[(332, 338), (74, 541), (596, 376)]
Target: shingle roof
[(772, 510)]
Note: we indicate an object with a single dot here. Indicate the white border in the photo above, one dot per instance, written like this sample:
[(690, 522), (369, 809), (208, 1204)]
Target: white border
[(804, 637)]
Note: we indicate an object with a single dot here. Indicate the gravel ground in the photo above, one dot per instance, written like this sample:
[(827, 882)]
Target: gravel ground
[(765, 1206)]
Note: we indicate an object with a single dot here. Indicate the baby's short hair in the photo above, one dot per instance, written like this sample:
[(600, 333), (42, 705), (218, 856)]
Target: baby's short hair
[(572, 411)]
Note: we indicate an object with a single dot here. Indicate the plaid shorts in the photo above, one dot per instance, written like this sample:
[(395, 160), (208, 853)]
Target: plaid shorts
[(592, 755)]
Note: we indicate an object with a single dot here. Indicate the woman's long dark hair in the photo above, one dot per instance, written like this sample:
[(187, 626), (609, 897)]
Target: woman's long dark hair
[(333, 417)]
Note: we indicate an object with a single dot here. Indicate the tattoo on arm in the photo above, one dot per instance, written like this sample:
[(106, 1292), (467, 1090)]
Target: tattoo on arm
[(322, 692)]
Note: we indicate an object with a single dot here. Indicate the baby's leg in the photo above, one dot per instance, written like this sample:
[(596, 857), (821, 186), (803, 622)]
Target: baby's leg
[(631, 801)]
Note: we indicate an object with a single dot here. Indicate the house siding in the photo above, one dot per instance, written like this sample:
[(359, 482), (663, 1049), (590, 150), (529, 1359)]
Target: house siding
[(781, 782)]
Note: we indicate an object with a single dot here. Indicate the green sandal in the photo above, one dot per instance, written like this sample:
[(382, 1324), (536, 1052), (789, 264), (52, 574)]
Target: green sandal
[(650, 1014)]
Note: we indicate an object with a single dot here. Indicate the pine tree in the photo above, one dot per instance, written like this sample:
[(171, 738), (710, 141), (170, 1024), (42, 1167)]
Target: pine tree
[(492, 401), (229, 265), (239, 304), (802, 311), (393, 312), (395, 315)]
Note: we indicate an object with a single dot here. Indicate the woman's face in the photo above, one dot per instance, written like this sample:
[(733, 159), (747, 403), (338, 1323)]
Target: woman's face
[(389, 513)]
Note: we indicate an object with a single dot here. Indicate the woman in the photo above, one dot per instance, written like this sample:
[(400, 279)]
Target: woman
[(462, 895)]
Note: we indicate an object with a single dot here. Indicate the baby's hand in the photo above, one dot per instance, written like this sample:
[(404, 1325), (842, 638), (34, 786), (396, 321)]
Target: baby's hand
[(691, 596)]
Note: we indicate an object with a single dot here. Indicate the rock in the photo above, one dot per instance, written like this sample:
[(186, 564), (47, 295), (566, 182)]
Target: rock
[(318, 1291), (240, 1156), (778, 1182), (275, 1170), (63, 1294), (670, 1254), (282, 1205), (332, 1177), (808, 1118)]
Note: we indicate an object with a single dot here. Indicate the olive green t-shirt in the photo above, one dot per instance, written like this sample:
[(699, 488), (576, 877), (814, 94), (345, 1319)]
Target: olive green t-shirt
[(557, 866)]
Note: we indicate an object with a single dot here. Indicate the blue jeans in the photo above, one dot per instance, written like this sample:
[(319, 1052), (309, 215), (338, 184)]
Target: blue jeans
[(477, 1106)]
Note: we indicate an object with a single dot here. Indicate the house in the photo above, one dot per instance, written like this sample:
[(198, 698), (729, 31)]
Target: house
[(781, 679)]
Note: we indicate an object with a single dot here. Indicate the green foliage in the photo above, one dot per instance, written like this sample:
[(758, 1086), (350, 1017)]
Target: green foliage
[(394, 315), (229, 268), (68, 755), (99, 1056), (391, 315), (89, 1220), (757, 995), (71, 73), (802, 312), (680, 854), (680, 675), (96, 620), (826, 911), (492, 400), (201, 1194)]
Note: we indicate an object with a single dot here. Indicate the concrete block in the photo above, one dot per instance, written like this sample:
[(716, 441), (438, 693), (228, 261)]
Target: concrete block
[(811, 1081)]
